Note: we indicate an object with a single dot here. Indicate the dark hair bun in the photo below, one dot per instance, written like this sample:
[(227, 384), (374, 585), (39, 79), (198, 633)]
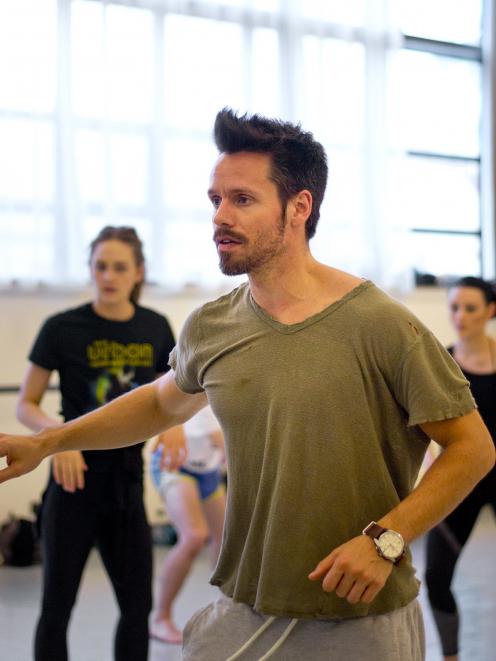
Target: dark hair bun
[(487, 287)]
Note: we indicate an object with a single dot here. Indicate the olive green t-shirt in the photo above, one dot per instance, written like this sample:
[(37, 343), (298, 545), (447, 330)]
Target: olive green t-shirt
[(321, 426)]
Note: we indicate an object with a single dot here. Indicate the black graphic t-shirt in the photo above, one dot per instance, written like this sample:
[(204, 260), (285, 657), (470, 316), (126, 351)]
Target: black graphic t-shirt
[(99, 359)]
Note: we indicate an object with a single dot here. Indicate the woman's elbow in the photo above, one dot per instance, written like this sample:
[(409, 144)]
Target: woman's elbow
[(23, 410), (20, 409), (487, 454)]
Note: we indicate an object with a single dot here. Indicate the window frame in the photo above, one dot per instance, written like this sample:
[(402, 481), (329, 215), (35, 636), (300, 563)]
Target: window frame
[(486, 208), (65, 123)]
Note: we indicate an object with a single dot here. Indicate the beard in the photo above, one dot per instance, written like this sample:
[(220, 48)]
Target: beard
[(265, 246)]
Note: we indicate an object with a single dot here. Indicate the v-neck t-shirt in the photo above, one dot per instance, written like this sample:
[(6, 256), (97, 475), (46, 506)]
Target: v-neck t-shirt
[(321, 422)]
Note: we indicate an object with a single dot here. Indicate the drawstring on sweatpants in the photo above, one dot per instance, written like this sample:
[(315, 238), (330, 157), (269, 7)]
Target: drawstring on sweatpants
[(258, 633)]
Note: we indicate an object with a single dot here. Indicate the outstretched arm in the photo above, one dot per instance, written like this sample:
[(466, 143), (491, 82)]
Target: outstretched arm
[(127, 420), (354, 570)]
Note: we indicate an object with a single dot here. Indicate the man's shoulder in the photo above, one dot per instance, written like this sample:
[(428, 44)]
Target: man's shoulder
[(234, 300), (383, 326), (376, 306), (215, 316)]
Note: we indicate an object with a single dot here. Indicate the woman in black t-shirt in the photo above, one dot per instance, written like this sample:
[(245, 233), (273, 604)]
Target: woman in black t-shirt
[(100, 350), (472, 303)]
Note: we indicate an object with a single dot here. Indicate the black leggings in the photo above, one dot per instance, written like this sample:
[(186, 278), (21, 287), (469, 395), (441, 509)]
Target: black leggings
[(109, 514), (444, 546)]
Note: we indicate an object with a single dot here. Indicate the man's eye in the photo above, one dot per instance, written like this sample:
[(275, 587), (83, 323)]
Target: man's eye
[(215, 202), (243, 199)]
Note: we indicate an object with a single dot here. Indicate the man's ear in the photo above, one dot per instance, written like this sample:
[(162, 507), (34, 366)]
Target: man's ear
[(301, 207)]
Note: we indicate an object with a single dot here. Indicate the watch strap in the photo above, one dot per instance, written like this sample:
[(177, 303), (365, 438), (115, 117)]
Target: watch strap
[(373, 530)]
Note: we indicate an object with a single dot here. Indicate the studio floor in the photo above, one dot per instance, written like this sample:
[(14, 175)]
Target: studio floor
[(93, 620)]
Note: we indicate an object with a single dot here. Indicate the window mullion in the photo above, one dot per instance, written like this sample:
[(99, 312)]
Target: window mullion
[(64, 205), (156, 141), (488, 143)]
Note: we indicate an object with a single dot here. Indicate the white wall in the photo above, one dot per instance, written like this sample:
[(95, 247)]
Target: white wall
[(22, 315)]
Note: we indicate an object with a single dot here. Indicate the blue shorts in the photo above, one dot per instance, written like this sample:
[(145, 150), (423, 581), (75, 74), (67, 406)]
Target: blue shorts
[(208, 483)]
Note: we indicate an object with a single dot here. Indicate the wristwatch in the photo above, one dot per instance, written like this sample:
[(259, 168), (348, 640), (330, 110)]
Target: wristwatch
[(389, 544)]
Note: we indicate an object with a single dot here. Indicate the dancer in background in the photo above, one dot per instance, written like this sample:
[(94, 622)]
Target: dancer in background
[(194, 498), (100, 350), (472, 303)]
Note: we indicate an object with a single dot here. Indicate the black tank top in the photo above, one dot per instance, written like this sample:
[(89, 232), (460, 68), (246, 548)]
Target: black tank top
[(483, 387)]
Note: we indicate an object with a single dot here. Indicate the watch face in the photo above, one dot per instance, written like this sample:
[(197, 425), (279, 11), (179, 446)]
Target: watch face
[(391, 544)]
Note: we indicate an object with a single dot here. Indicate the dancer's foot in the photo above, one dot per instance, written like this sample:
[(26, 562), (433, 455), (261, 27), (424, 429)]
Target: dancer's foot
[(166, 632)]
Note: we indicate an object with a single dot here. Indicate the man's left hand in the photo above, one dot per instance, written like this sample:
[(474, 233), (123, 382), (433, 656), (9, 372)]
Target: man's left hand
[(354, 571)]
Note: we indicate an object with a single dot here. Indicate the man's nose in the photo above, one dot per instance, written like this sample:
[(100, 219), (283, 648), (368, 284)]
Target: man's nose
[(223, 215)]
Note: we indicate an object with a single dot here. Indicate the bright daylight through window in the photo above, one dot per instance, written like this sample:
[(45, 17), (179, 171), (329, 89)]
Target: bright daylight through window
[(106, 110)]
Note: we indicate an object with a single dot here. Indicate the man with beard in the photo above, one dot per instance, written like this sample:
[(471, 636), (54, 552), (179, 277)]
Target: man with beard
[(328, 393)]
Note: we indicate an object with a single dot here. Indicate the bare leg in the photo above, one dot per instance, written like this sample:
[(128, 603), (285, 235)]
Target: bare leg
[(215, 509), (184, 508)]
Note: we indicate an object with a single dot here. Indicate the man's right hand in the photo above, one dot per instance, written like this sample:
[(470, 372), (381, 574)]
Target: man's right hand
[(68, 470), (23, 454)]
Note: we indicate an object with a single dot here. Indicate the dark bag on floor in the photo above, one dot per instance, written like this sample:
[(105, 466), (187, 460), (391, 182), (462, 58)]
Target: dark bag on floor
[(19, 544)]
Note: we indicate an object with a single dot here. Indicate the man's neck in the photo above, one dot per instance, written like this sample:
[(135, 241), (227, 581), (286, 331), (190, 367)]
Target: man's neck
[(296, 289)]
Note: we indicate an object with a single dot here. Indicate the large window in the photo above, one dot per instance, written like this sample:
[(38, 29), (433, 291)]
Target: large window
[(106, 111), (439, 80)]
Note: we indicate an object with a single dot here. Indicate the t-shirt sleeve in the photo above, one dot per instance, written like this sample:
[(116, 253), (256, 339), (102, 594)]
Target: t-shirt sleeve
[(183, 358), (44, 351), (162, 364), (429, 384)]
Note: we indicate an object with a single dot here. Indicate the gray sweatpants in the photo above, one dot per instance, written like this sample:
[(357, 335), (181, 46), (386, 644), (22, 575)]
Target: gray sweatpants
[(220, 629)]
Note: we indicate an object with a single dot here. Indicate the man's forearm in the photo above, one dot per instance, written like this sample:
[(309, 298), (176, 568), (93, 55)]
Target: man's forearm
[(447, 482), (127, 420)]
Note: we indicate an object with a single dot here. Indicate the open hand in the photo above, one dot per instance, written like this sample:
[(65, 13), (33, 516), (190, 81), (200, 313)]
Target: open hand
[(174, 448), (68, 470)]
